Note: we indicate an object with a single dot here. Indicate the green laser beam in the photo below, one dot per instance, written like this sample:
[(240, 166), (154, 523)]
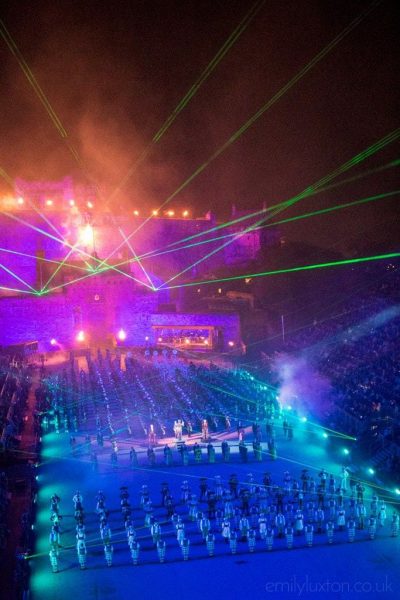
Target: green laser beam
[(231, 40), (136, 258), (237, 236), (314, 61), (43, 216), (57, 269), (6, 177), (40, 258), (318, 186), (392, 164), (161, 251), (349, 261), (8, 289), (389, 138), (82, 252), (274, 223), (16, 277), (12, 46)]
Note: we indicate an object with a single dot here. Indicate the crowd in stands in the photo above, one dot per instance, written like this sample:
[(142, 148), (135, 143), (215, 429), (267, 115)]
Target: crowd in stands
[(16, 535), (15, 381), (357, 349)]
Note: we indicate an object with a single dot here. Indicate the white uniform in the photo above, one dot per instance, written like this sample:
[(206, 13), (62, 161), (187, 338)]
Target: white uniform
[(289, 536), (361, 513), (54, 539), (210, 541), (371, 527), (345, 476), (53, 560), (262, 526), (233, 542), (280, 523), (161, 546), (309, 535), (319, 519), (135, 549), (81, 551), (228, 510), (244, 527), (251, 540), (332, 509), (108, 553), (180, 531), (269, 538), (155, 531), (351, 527), (205, 527), (193, 508), (218, 486), (299, 522), (77, 499), (330, 530), (341, 518), (382, 514), (131, 535), (185, 543), (395, 525), (226, 530)]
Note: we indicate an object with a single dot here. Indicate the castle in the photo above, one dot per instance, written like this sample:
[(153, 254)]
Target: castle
[(74, 272)]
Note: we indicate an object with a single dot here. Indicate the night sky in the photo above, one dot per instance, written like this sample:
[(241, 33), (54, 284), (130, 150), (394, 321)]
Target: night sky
[(114, 71)]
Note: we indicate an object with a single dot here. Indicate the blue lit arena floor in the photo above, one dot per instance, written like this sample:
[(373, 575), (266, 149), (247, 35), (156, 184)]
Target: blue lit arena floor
[(369, 568)]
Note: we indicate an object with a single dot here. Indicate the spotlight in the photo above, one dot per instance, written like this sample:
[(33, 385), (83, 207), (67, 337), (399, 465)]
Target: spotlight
[(146, 339), (219, 290), (371, 471), (49, 202), (20, 201), (325, 435), (72, 203), (397, 491), (303, 419), (187, 341), (155, 213), (121, 335), (53, 342), (185, 213), (80, 337), (89, 204), (136, 213), (231, 344), (170, 213), (86, 235), (289, 407), (206, 342), (160, 339), (346, 451)]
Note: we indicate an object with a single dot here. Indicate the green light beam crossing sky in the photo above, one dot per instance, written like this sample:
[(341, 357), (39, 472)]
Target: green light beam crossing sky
[(336, 263), (231, 40), (314, 61)]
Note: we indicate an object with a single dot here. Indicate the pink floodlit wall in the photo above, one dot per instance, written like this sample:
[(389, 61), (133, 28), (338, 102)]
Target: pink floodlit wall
[(61, 317), (54, 237)]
